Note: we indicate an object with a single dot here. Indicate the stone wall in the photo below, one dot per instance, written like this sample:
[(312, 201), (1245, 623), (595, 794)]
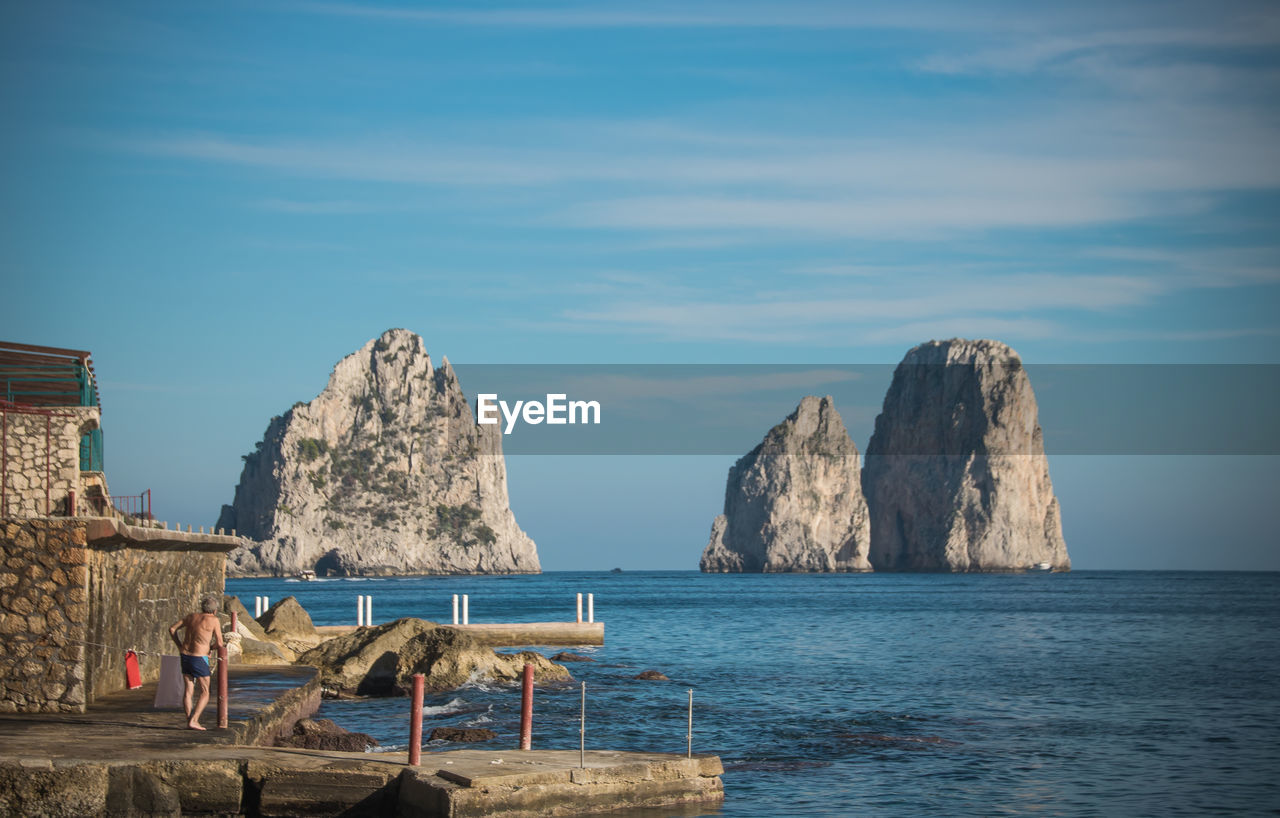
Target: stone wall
[(40, 459), (75, 593), (44, 614), (135, 594)]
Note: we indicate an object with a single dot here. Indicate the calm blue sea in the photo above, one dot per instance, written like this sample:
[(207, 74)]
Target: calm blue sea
[(1089, 693)]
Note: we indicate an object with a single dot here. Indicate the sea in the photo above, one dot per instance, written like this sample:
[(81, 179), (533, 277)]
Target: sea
[(1081, 693)]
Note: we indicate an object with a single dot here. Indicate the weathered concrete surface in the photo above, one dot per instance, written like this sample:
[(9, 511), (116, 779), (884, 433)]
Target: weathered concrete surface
[(229, 780), (516, 634), (264, 702), (514, 784), (510, 634), (125, 758), (323, 784)]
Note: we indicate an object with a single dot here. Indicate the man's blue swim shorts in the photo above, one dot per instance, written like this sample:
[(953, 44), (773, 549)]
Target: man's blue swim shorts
[(195, 665)]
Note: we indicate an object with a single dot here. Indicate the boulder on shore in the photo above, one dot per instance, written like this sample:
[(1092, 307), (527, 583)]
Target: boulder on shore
[(252, 644), (288, 623), (450, 658), (243, 617), (381, 661), (262, 652), (323, 734)]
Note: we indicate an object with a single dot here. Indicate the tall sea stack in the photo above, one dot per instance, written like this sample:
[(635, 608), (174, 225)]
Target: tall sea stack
[(794, 502), (385, 472), (956, 476)]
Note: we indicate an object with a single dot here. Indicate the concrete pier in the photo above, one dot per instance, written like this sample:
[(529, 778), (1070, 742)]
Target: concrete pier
[(516, 784), (512, 634), (122, 757)]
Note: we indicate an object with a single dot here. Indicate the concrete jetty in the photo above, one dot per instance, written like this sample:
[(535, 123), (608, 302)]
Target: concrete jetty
[(122, 757), (512, 634)]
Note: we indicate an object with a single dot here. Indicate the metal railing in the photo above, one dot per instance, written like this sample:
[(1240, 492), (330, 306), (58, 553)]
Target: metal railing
[(137, 506)]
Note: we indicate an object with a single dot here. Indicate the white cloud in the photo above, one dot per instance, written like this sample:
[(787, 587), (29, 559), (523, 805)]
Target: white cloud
[(939, 305), (672, 15)]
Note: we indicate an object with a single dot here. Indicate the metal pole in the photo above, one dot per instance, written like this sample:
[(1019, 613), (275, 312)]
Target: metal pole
[(455, 609), (591, 607), (415, 720), (266, 600), (359, 611), (579, 608), (466, 620), (222, 686), (689, 735), (582, 730), (257, 607), (235, 621), (4, 464), (368, 610), (526, 710)]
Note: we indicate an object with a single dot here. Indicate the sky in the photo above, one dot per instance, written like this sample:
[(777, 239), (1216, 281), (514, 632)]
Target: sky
[(222, 200)]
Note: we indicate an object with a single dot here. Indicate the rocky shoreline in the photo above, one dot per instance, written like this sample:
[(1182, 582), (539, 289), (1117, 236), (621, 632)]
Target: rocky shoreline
[(373, 661)]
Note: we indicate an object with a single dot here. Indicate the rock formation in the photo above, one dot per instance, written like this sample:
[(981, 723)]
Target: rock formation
[(324, 734), (794, 502), (381, 660), (288, 624), (385, 472), (956, 477)]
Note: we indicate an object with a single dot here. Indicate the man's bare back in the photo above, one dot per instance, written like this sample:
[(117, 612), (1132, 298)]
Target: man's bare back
[(198, 632)]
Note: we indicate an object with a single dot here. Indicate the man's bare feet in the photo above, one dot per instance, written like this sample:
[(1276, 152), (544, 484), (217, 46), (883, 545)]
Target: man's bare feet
[(194, 727)]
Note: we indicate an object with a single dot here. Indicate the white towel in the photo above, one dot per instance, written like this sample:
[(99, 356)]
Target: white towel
[(169, 687)]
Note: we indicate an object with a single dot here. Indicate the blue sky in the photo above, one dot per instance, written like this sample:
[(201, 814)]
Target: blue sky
[(221, 200)]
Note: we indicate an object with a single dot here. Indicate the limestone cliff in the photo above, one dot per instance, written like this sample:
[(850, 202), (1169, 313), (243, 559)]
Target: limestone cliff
[(956, 476), (385, 472), (794, 502)]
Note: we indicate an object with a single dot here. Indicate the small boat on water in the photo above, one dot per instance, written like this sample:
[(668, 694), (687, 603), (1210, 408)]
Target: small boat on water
[(1043, 566), (306, 575)]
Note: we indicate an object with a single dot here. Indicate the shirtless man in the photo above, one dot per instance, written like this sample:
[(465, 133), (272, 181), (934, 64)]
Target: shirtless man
[(201, 631)]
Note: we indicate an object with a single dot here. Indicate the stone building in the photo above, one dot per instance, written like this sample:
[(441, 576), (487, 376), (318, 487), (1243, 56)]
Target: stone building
[(81, 581)]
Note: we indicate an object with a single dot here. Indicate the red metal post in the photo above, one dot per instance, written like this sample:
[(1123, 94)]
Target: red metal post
[(4, 463), (415, 720), (235, 621), (526, 710), (222, 686)]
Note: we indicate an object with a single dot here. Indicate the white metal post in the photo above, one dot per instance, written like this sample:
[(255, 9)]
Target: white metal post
[(455, 609), (689, 735), (465, 617), (257, 607), (266, 603), (579, 607), (591, 607), (368, 610), (359, 611)]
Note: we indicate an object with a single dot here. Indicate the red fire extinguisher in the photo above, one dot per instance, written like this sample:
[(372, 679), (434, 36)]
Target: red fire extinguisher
[(131, 672)]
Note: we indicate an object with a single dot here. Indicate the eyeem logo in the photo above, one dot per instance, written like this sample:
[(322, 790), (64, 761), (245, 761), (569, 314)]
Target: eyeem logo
[(558, 410)]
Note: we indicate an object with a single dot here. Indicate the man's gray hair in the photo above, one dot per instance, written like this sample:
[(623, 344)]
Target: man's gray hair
[(209, 604)]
